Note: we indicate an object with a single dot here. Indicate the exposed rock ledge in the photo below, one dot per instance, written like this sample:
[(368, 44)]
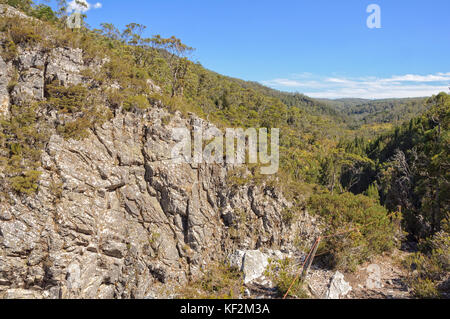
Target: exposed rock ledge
[(127, 218)]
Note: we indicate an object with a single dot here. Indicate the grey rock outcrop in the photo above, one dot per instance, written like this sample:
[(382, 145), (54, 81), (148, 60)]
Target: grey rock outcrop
[(30, 84), (254, 265), (8, 11), (236, 259), (4, 95), (37, 66), (126, 218), (338, 287), (65, 65), (374, 277), (153, 87)]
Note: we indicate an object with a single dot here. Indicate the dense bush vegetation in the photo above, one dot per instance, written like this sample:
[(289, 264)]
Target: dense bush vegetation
[(429, 268), (283, 274), (358, 226), (359, 111), (21, 142), (218, 282), (411, 171)]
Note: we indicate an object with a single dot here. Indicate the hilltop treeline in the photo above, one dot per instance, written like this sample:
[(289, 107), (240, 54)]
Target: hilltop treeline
[(348, 181)]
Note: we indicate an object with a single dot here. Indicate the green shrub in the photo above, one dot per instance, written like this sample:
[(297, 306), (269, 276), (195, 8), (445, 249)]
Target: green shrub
[(24, 5), (9, 52), (79, 102), (373, 192), (282, 274), (429, 267), (425, 289), (26, 183), (76, 130), (22, 142), (364, 226), (21, 31), (139, 102), (70, 99), (218, 282), (288, 215), (115, 98), (45, 13)]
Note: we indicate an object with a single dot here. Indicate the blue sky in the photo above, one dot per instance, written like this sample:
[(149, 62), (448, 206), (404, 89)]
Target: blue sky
[(322, 48)]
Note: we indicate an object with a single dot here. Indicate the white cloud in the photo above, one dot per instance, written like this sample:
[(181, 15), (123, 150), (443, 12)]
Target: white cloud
[(82, 6), (420, 78), (408, 85), (337, 80), (285, 82)]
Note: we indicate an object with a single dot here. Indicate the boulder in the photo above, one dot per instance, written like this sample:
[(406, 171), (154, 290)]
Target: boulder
[(374, 277), (254, 265), (338, 287), (65, 65)]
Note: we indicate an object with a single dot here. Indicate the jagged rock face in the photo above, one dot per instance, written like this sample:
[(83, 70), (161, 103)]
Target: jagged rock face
[(65, 65), (338, 287), (114, 216), (4, 95), (37, 66), (8, 11), (254, 264)]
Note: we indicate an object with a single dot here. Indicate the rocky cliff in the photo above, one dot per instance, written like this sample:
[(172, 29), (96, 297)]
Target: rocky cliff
[(113, 216)]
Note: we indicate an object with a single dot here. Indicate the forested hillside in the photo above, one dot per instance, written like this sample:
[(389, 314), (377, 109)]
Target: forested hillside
[(331, 161), (378, 111), (411, 173)]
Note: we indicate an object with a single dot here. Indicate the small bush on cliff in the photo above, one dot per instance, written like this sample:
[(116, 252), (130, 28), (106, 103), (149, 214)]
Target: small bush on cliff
[(139, 102), (24, 5), (82, 105), (25, 183), (430, 267), (21, 31), (282, 274), (217, 282), (44, 13), (21, 144), (288, 215), (359, 228), (77, 129), (69, 99), (9, 51)]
